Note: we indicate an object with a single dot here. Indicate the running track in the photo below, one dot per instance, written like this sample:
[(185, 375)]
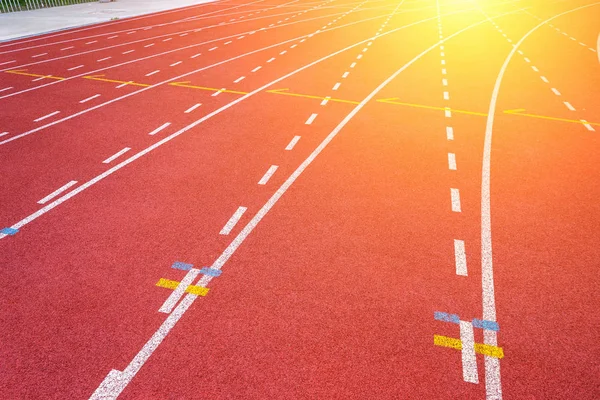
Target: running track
[(272, 199)]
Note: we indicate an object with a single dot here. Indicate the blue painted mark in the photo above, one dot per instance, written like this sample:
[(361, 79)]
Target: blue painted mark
[(442, 316), (488, 325), (210, 271), (182, 266), (9, 231)]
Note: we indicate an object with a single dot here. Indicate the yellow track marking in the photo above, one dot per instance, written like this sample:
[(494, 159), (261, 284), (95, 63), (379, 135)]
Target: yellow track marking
[(186, 85), (169, 284), (485, 349), (520, 113), (99, 78), (22, 72), (307, 96), (392, 100)]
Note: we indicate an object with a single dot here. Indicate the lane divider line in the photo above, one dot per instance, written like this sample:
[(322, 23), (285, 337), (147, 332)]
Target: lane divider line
[(268, 175), (57, 192), (116, 155), (160, 128), (235, 218), (460, 257)]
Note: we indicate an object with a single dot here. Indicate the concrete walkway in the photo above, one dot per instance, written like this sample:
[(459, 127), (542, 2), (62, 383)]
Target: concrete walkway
[(28, 23)]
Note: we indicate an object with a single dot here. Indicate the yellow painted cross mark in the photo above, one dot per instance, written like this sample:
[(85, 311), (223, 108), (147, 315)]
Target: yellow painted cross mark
[(22, 72), (485, 349), (192, 289)]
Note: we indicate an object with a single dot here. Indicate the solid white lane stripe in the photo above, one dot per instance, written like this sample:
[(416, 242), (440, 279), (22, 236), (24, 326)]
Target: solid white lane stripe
[(160, 128), (460, 257), (455, 197), (57, 192), (256, 69), (336, 86), (46, 116), (74, 68), (449, 133), (192, 108), (153, 72), (233, 221), (469, 362), (89, 98), (311, 119), (268, 175), (569, 106), (290, 145), (116, 155), (452, 161)]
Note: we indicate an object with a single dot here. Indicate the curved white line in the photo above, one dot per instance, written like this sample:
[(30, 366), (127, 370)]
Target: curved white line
[(492, 365)]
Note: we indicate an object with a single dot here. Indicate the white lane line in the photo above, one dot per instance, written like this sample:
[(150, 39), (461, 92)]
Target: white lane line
[(104, 59), (460, 257), (447, 112), (449, 133), (67, 48), (543, 78), (290, 145), (233, 221), (446, 96), (124, 84), (443, 62), (336, 86), (153, 72), (57, 192), (555, 91), (469, 362), (569, 106), (256, 69), (46, 116), (444, 82), (213, 48), (6, 88), (226, 43), (40, 78), (112, 37), (587, 125), (455, 197), (353, 65), (452, 161), (192, 108), (176, 295), (196, 55), (271, 59), (283, 52), (365, 49), (241, 78), (116, 155), (149, 45), (89, 98), (218, 92), (358, 57), (325, 100), (167, 39), (292, 46), (533, 67), (345, 74), (39, 55), (527, 60), (183, 34), (443, 71), (311, 119), (128, 51), (268, 175), (160, 128), (176, 63), (92, 42), (6, 133), (8, 62), (241, 37), (74, 68)]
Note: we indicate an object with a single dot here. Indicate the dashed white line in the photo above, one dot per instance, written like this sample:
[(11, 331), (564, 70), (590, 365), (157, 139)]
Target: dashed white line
[(447, 112), (46, 116), (452, 161), (449, 133), (445, 82), (241, 78), (226, 43), (176, 63), (128, 51), (543, 78), (526, 59), (311, 119), (67, 48), (271, 59), (218, 92), (353, 65), (104, 59), (569, 106), (291, 144), (460, 257), (124, 84), (455, 198), (57, 192), (116, 155), (256, 69), (358, 57), (160, 128), (92, 42), (39, 55), (213, 48), (444, 71), (587, 125), (345, 74), (325, 100), (149, 45), (112, 37), (283, 52), (196, 55), (292, 46), (233, 221), (192, 108), (153, 72), (268, 175), (6, 88), (41, 77), (443, 62), (336, 86), (533, 67), (183, 34), (74, 68), (167, 39), (89, 98), (446, 96)]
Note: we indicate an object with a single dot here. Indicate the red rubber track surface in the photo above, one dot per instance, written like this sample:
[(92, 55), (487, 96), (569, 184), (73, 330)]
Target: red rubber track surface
[(332, 294)]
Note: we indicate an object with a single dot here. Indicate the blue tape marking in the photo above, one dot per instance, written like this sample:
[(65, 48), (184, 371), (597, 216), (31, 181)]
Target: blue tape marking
[(442, 316), (182, 266), (488, 325), (9, 231), (210, 271)]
